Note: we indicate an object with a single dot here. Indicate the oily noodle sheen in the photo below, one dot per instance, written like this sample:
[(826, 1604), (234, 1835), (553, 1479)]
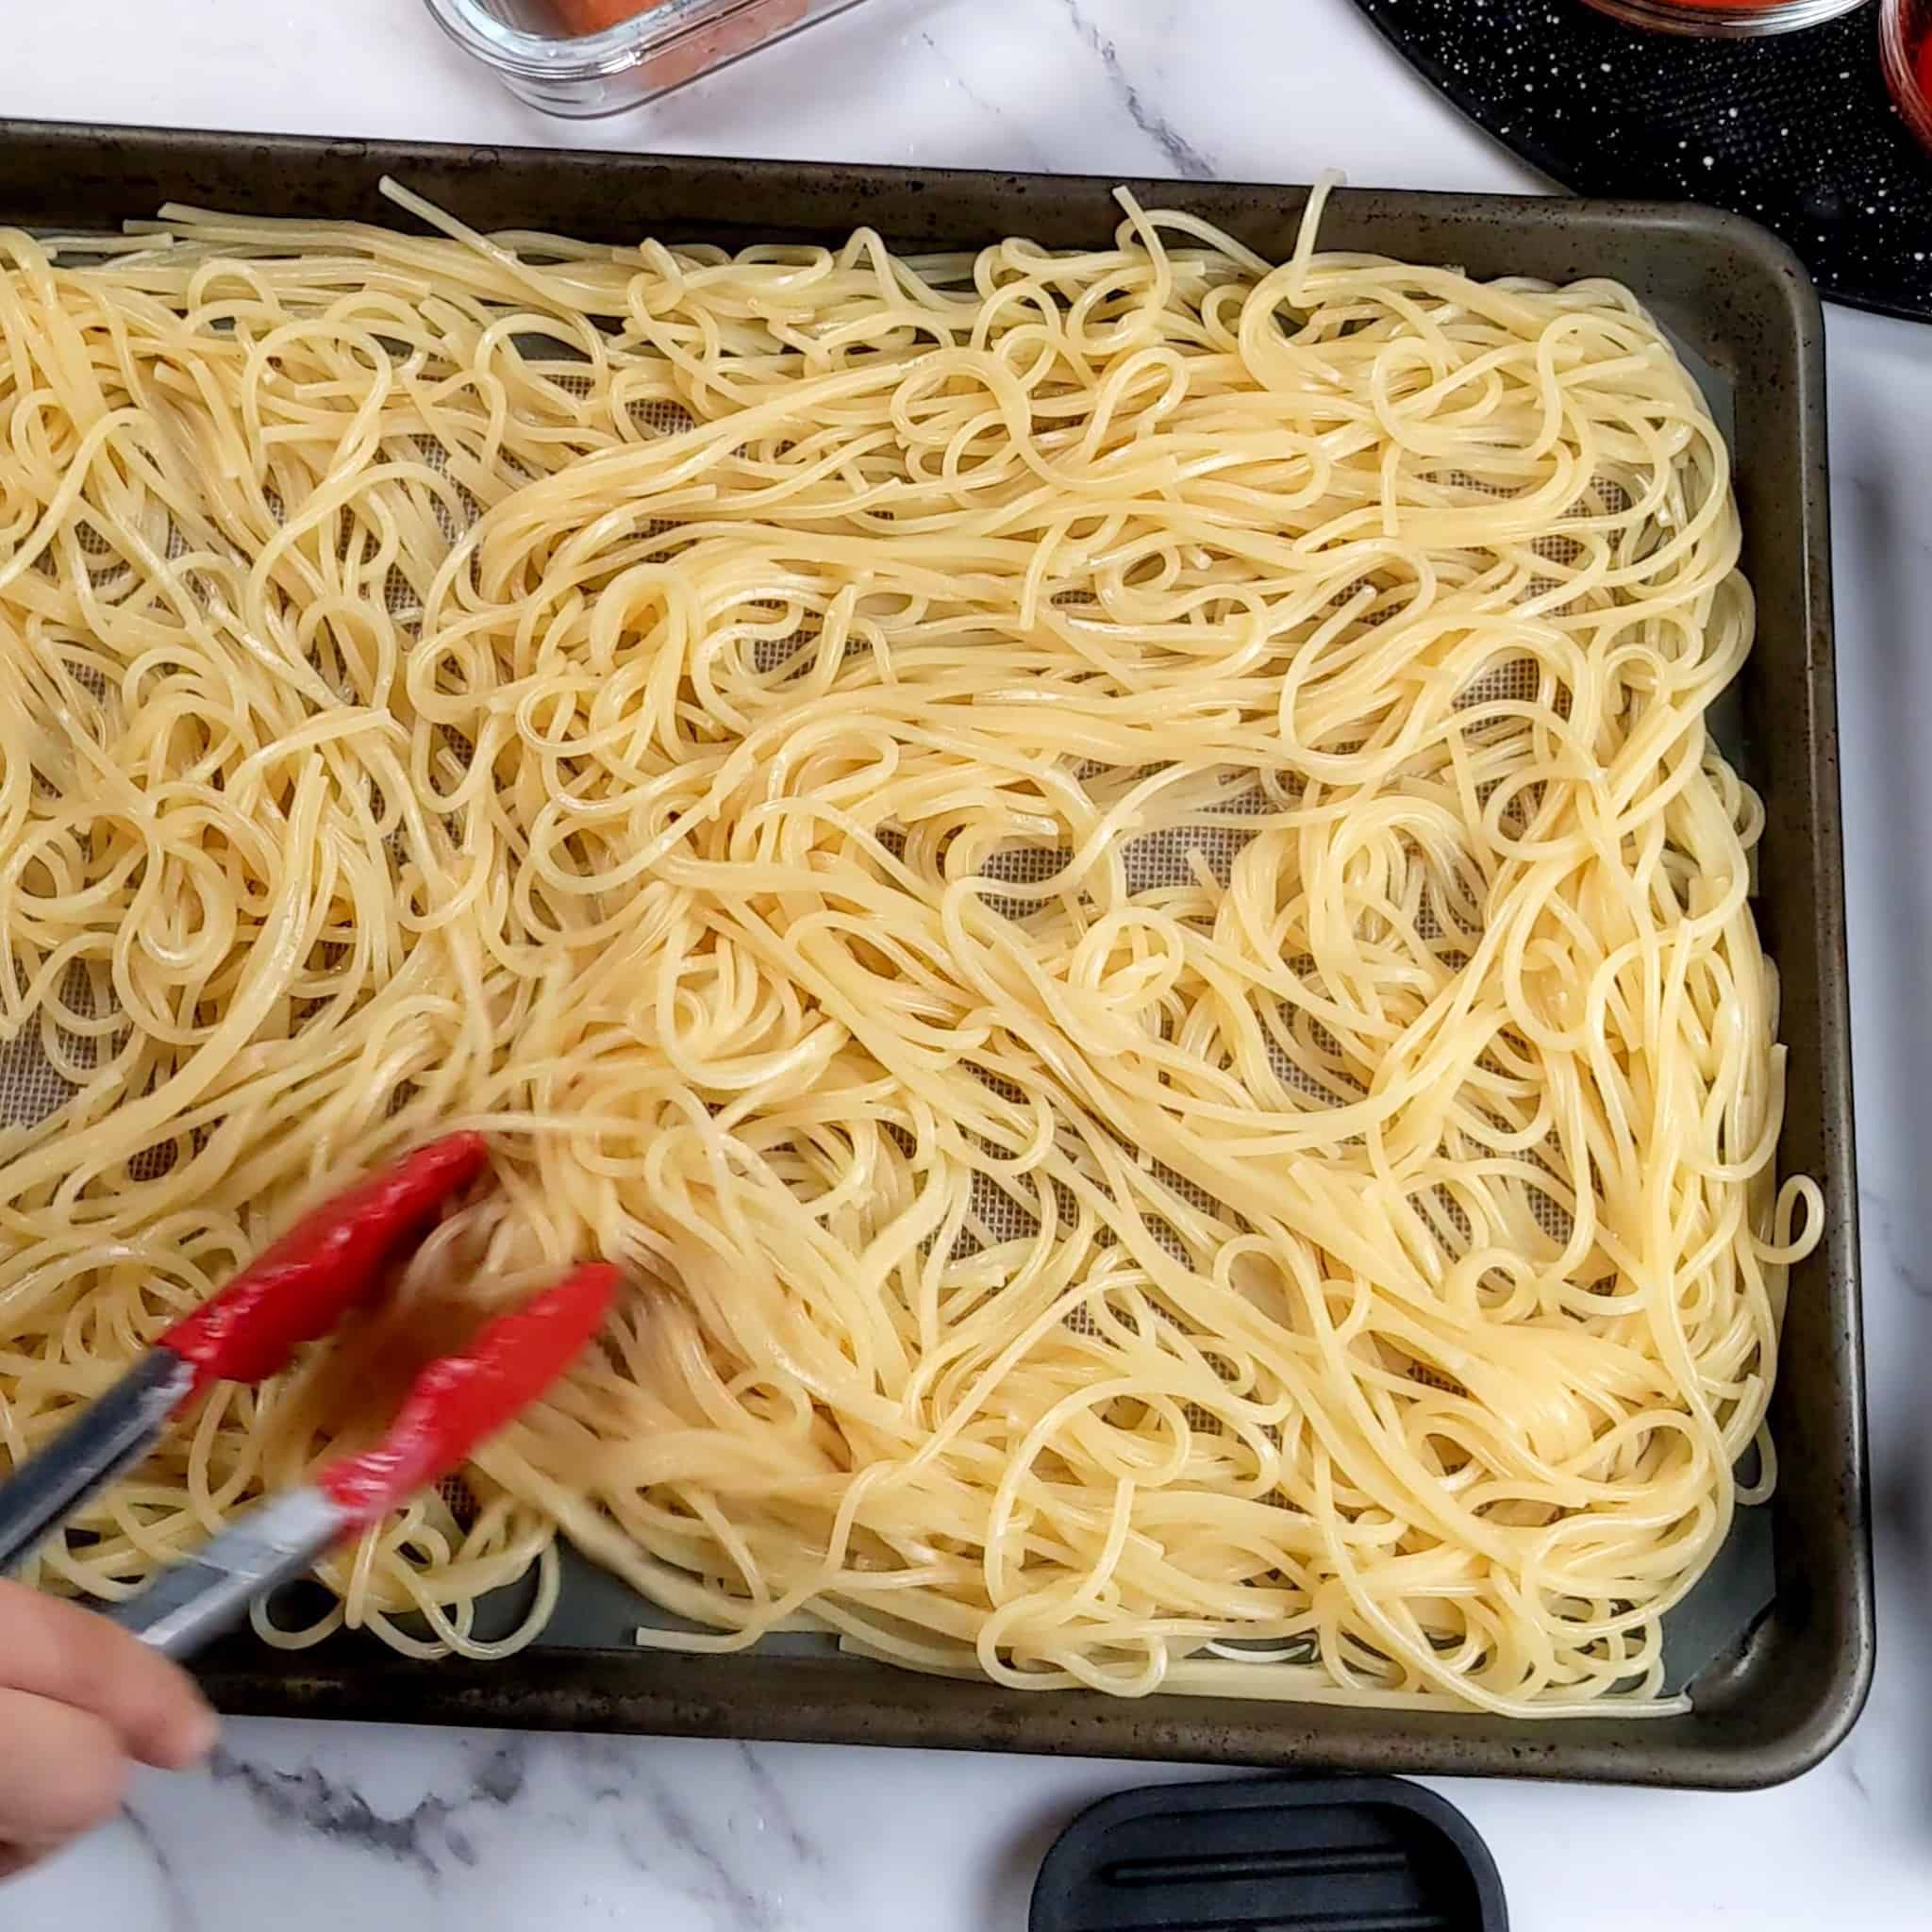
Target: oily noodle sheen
[(1102, 872)]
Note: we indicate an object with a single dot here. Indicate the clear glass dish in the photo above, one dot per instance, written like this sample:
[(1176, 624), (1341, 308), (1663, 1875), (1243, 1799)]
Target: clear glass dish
[(1726, 18), (632, 52), (1904, 46)]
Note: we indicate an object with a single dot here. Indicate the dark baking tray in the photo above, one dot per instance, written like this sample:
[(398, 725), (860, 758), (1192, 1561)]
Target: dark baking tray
[(1775, 1645)]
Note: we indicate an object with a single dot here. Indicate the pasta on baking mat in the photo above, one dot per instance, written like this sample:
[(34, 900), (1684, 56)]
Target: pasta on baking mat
[(1103, 871)]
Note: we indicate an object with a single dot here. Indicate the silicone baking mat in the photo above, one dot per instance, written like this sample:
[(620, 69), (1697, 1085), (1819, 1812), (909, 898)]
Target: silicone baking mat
[(1796, 131)]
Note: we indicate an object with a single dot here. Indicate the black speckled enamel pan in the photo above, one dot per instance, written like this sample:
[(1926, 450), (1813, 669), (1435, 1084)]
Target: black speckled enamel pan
[(1776, 1645)]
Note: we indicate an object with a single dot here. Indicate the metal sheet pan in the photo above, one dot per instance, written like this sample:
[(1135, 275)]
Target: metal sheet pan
[(1775, 1645)]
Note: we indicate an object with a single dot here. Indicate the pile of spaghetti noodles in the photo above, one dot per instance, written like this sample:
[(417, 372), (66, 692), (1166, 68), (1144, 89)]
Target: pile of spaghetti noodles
[(1103, 873)]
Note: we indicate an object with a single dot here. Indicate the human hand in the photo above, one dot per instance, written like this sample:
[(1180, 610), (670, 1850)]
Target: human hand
[(81, 1702)]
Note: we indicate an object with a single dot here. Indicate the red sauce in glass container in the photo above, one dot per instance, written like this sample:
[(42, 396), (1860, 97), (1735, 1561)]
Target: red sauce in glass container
[(705, 47), (592, 16)]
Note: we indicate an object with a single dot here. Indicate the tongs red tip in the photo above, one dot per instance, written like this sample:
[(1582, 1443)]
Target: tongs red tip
[(301, 1285), (459, 1399), (337, 1256)]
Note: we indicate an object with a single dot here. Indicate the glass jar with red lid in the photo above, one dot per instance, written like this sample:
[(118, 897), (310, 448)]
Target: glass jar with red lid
[(1904, 46), (1730, 19)]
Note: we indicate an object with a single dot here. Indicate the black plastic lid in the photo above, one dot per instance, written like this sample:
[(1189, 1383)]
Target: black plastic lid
[(1270, 1854)]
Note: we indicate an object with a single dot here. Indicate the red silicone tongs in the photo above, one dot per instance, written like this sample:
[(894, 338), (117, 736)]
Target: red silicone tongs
[(297, 1289)]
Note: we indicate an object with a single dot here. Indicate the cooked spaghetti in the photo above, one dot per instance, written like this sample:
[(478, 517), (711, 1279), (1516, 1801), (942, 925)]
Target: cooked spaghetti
[(1103, 872)]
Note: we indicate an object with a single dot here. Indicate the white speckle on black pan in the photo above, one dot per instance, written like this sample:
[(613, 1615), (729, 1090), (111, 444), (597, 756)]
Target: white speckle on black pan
[(1733, 124)]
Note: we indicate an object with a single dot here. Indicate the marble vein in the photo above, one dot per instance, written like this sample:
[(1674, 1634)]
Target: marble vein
[(1020, 146), (1899, 1245), (691, 1846), (174, 1901), (306, 1800), (712, 1881), (777, 1808), (1182, 154), (422, 1838)]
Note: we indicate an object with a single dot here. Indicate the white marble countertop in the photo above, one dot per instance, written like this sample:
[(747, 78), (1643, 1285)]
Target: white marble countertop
[(309, 1828)]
